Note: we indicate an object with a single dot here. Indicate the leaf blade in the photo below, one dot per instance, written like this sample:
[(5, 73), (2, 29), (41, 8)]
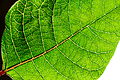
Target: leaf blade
[(62, 50)]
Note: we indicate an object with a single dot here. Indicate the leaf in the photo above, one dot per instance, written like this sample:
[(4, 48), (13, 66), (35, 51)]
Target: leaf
[(60, 39)]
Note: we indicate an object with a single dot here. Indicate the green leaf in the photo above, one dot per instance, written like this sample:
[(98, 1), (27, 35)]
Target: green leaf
[(60, 39)]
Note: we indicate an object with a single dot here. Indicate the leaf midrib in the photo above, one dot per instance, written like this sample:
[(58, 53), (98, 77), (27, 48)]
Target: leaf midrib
[(68, 38)]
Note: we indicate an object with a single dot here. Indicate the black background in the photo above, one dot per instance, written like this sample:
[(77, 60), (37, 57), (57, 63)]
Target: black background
[(4, 7)]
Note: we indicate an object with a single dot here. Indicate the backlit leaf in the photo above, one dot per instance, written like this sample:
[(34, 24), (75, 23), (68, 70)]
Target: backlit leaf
[(60, 39)]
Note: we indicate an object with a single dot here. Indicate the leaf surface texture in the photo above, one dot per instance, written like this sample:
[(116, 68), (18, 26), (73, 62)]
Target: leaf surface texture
[(76, 37)]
